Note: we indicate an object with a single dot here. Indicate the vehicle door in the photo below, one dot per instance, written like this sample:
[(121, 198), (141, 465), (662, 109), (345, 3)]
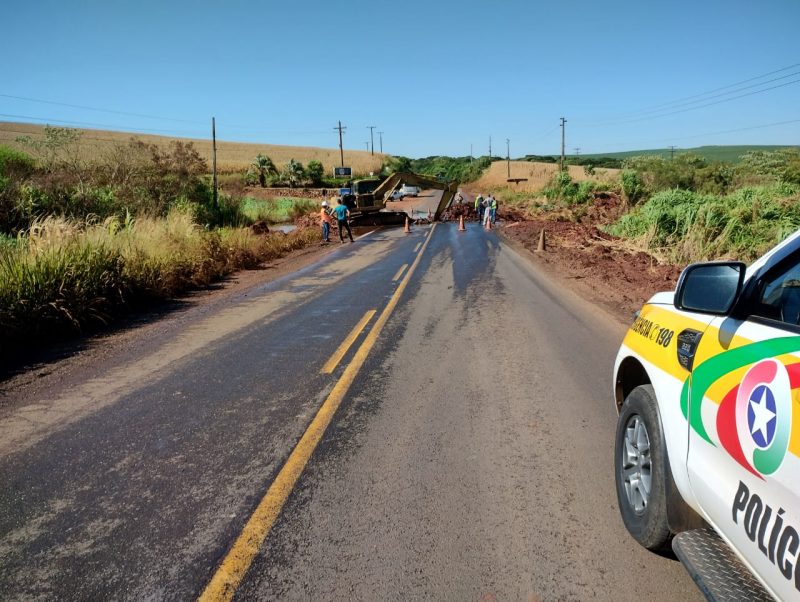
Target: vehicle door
[(744, 426)]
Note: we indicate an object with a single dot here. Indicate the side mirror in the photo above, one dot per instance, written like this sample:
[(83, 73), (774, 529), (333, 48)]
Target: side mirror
[(710, 288)]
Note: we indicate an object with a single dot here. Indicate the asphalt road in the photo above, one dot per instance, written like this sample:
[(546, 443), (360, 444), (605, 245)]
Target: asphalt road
[(470, 457)]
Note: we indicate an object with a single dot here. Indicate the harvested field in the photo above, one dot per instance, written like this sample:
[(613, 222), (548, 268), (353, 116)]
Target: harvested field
[(231, 156), (538, 174)]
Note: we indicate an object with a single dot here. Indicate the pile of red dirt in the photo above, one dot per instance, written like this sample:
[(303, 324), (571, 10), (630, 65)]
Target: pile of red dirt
[(598, 263)]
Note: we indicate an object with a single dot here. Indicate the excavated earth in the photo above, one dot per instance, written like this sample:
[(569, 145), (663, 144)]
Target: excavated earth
[(598, 265)]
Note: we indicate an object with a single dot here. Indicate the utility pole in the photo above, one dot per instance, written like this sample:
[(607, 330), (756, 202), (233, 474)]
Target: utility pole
[(341, 127), (671, 152), (380, 137), (367, 143), (490, 147), (577, 151), (508, 156), (563, 121), (214, 158), (371, 139), (470, 152)]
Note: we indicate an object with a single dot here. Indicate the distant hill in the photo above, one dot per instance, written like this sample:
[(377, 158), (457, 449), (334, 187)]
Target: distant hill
[(231, 156), (729, 154)]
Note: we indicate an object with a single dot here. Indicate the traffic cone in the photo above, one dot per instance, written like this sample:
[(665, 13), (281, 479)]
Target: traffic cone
[(407, 229), (430, 215), (461, 227), (541, 245), (489, 224)]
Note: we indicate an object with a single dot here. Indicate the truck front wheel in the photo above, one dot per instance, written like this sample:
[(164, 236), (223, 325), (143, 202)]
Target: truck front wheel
[(639, 467)]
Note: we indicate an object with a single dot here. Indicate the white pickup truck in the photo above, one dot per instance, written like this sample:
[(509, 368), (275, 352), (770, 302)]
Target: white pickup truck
[(707, 450)]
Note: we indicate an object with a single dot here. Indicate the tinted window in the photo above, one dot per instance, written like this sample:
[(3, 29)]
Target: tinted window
[(779, 295)]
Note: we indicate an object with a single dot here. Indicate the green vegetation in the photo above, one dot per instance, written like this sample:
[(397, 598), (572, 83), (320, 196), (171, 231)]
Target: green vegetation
[(65, 275), (564, 190), (686, 226), (459, 169), (262, 167), (276, 211), (727, 154), (82, 241), (687, 209)]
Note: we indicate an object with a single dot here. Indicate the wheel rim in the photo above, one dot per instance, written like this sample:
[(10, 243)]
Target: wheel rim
[(635, 468)]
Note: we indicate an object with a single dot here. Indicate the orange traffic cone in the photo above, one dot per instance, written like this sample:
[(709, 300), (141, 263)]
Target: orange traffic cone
[(489, 224), (461, 227), (407, 229)]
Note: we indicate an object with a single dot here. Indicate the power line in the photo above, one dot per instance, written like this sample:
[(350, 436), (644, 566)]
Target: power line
[(700, 96), (89, 124), (65, 104), (694, 102), (732, 131)]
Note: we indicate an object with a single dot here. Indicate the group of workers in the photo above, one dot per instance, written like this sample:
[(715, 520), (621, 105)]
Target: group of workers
[(485, 207), (341, 213)]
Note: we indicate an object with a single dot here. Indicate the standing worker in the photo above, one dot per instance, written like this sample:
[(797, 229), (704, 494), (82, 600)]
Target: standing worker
[(494, 210), (487, 212), (479, 207), (325, 217), (342, 213)]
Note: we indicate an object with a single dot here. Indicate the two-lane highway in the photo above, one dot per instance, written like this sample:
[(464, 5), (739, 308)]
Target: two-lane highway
[(416, 415)]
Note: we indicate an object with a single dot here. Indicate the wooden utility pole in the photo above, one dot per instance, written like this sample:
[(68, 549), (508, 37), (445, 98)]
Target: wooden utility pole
[(508, 156), (341, 127), (470, 153), (214, 159), (563, 121), (371, 139), (577, 151), (490, 147), (380, 137), (671, 152)]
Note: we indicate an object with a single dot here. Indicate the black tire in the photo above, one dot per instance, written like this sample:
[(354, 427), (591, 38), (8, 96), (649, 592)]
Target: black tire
[(645, 519)]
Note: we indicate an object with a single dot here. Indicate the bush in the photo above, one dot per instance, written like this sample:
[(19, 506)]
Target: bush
[(64, 275), (687, 226), (632, 186), (314, 172), (15, 164), (563, 189)]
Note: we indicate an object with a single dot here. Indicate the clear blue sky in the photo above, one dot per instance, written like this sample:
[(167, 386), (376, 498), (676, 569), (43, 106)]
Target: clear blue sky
[(434, 76)]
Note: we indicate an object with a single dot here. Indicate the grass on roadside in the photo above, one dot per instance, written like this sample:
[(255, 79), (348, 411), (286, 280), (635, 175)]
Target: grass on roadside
[(684, 226), (64, 276), (276, 211)]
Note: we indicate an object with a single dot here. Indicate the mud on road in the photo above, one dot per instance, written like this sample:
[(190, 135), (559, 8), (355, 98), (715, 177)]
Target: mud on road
[(601, 267)]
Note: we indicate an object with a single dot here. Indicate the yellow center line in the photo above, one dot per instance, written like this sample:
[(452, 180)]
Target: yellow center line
[(399, 272), (419, 244), (337, 356), (231, 571)]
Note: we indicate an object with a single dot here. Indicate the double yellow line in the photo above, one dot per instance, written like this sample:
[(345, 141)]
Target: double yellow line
[(234, 566)]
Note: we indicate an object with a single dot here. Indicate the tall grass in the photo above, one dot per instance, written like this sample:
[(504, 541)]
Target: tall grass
[(685, 226), (276, 211), (62, 275)]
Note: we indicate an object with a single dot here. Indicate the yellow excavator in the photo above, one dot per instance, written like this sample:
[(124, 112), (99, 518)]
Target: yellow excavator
[(367, 198)]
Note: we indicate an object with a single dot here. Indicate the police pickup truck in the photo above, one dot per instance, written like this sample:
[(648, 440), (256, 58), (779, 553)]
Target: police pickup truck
[(707, 450)]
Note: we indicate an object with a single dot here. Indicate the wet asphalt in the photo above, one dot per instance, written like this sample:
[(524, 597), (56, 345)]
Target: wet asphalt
[(470, 459)]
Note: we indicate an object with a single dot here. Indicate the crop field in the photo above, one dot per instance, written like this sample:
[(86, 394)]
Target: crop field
[(538, 174), (231, 156), (728, 154)]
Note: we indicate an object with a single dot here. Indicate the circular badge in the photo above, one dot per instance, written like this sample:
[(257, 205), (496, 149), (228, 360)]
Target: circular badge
[(755, 424)]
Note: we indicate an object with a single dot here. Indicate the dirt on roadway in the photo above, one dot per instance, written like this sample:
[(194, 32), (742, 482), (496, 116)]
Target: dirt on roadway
[(599, 266)]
